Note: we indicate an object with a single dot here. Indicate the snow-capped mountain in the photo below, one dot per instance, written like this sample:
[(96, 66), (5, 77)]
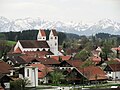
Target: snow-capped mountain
[(105, 25)]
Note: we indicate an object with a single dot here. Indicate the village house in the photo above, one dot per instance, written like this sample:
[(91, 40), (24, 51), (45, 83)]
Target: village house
[(5, 72), (116, 51), (113, 69), (75, 73), (30, 73), (42, 73)]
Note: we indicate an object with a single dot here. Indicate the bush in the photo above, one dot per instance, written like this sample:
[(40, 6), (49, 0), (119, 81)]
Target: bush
[(19, 84)]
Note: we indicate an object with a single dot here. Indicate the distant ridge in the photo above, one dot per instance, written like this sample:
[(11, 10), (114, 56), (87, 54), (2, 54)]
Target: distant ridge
[(102, 26)]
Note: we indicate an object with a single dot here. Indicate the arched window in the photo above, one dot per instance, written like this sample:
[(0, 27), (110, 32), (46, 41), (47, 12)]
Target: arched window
[(37, 50), (55, 44), (43, 49)]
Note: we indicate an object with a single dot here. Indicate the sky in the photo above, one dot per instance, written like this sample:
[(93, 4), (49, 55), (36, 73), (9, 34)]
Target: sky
[(88, 11)]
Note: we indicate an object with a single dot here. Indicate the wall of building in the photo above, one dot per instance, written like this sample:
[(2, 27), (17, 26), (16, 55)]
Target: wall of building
[(31, 73)]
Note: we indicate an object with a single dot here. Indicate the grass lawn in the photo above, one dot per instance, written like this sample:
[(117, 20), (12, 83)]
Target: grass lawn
[(11, 43)]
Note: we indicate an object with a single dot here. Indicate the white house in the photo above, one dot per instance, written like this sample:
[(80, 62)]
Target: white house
[(113, 71), (31, 74)]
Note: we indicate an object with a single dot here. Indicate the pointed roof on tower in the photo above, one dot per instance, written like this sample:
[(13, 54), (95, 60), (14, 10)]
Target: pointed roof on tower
[(54, 32), (42, 31)]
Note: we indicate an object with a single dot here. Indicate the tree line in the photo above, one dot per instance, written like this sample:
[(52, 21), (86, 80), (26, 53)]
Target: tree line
[(32, 35)]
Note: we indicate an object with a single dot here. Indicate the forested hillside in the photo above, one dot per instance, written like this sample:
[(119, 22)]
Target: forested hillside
[(32, 35)]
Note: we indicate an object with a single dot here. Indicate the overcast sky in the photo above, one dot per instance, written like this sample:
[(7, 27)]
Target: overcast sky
[(62, 10)]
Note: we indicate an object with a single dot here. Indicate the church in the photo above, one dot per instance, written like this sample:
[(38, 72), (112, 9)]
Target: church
[(40, 47)]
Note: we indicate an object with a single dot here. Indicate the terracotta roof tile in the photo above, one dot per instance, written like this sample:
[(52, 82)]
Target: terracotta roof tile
[(95, 59), (27, 59), (54, 32), (38, 53), (75, 63), (117, 48), (41, 75), (5, 68), (43, 70), (18, 50), (62, 57), (47, 61), (42, 31), (115, 67), (17, 59), (93, 73)]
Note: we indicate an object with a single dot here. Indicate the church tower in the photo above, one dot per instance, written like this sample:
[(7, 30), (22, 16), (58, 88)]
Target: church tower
[(41, 35), (53, 42)]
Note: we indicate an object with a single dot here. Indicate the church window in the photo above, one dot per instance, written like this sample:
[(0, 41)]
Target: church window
[(55, 44), (55, 37), (43, 49), (38, 50)]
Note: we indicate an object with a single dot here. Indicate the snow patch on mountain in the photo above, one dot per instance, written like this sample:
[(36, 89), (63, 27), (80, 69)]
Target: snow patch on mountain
[(105, 25)]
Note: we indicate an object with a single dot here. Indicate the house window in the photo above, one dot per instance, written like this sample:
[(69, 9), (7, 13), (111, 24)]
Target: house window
[(109, 72), (55, 37), (28, 72)]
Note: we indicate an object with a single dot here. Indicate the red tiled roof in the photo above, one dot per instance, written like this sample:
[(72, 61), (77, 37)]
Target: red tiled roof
[(34, 44), (43, 70), (115, 67), (54, 32), (18, 50), (4, 68), (95, 59), (41, 75), (42, 31), (38, 53), (75, 63), (47, 61), (27, 59), (93, 73), (17, 59), (41, 67), (117, 48), (62, 57)]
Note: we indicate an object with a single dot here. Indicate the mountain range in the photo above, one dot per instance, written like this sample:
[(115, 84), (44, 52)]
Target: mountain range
[(102, 26)]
